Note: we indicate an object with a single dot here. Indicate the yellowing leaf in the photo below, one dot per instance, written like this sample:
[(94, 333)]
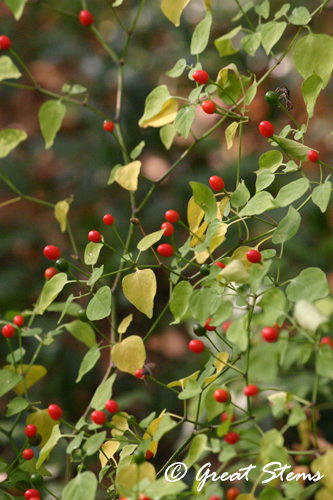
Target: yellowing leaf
[(246, 496), (235, 271), (219, 363), (183, 381), (230, 133), (120, 422), (217, 239), (167, 115), (223, 74), (152, 429), (125, 323), (194, 215), (324, 494), (127, 176), (60, 212), (44, 423), (198, 238), (35, 373), (129, 355), (208, 4), (240, 254), (109, 449), (323, 465), (172, 9), (221, 207), (140, 289), (127, 477)]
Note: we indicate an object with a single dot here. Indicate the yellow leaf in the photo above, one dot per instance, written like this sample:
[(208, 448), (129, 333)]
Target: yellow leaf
[(223, 74), (240, 254), (208, 4), (172, 9), (199, 238), (109, 448), (221, 205), (235, 271), (219, 363), (183, 381), (140, 289), (167, 115), (125, 323), (127, 477), (35, 373), (217, 239), (129, 355), (324, 494), (120, 422), (127, 176), (324, 465), (44, 423), (60, 212), (194, 215), (152, 428), (230, 133)]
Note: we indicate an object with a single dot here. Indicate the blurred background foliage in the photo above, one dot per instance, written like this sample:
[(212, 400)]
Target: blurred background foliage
[(59, 50)]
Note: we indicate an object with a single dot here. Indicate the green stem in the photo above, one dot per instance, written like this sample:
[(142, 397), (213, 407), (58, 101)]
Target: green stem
[(105, 46)]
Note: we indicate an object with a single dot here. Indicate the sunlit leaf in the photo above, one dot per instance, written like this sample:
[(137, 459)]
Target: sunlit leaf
[(127, 176), (140, 289), (50, 116), (109, 449), (125, 323), (9, 139), (129, 355), (172, 9), (167, 115), (48, 447), (60, 212)]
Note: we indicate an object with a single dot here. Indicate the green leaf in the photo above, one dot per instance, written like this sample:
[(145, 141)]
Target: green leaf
[(314, 54), (48, 447), (200, 303), (292, 192), (88, 362), (72, 310), (264, 179), (260, 202), (9, 139), (222, 313), (18, 354), (292, 148), (179, 301), (50, 116), (271, 33), (201, 33), (82, 486), (164, 427), (251, 92), (228, 452), (191, 390), (95, 275), (103, 393), (237, 333), (30, 467), (240, 196), (16, 6), (296, 416), (204, 198), (31, 332), (311, 88), (154, 102), (251, 43), (15, 406), (178, 69), (291, 166), (300, 16), (197, 447), (91, 253), (263, 9), (232, 89), (248, 6), (235, 271), (113, 172), (257, 274), (324, 362), (223, 44), (274, 306), (230, 133), (50, 292), (94, 443), (8, 69), (308, 316), (270, 494), (164, 488), (282, 12), (100, 305), (75, 443), (321, 195), (287, 227), (184, 119), (311, 284), (137, 150), (78, 89), (150, 240), (271, 160), (167, 135), (82, 331)]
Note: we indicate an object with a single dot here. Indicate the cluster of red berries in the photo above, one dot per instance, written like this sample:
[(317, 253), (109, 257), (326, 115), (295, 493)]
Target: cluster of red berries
[(165, 249), (8, 331), (30, 432), (99, 417)]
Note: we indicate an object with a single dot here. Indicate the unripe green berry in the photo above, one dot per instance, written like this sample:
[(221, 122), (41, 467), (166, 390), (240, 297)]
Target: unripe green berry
[(82, 315), (205, 269), (138, 457), (199, 330), (271, 97), (62, 265)]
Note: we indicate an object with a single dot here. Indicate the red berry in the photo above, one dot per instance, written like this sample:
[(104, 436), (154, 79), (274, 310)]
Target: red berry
[(224, 417), (232, 493), (86, 18), (140, 373), (108, 219), (31, 493), (326, 340), (55, 412), (5, 42), (209, 328), (216, 183), (28, 454), (270, 334), (51, 252), (250, 390), (253, 256), (111, 406), (313, 155), (98, 417), (149, 454), (221, 396), (35, 498), (94, 236), (166, 250), (18, 320), (200, 76), (50, 272), (225, 326), (8, 331), (214, 497), (169, 229), (196, 346), (108, 126), (143, 497), (220, 264), (231, 437), (30, 430), (171, 216), (266, 129), (208, 107)]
